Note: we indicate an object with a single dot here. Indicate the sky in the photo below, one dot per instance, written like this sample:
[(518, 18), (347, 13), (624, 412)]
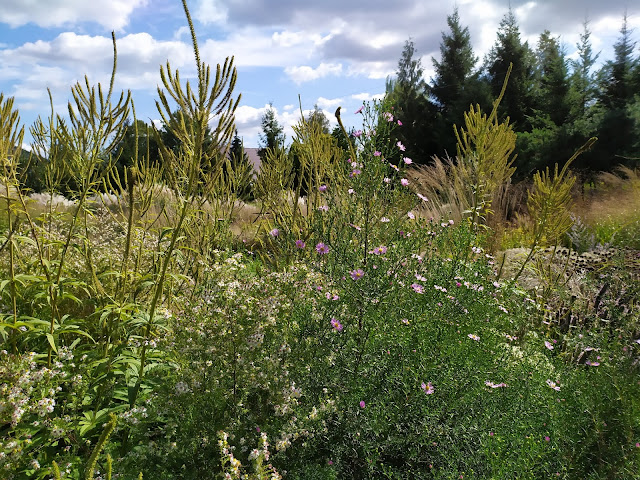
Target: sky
[(328, 53)]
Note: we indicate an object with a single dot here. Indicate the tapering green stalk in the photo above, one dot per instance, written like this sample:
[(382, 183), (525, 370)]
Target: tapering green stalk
[(93, 459)]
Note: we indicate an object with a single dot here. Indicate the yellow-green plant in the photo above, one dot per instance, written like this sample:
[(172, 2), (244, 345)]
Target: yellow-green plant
[(484, 153), (194, 171), (549, 204), (11, 135), (93, 459)]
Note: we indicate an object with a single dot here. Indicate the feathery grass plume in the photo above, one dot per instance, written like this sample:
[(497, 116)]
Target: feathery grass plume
[(11, 135), (93, 459), (56, 471), (194, 171), (549, 203)]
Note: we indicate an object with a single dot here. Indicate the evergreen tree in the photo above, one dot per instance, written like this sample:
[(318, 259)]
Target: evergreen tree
[(509, 49), (583, 89), (456, 85), (272, 132), (553, 82), (317, 116), (408, 94), (241, 168), (617, 128)]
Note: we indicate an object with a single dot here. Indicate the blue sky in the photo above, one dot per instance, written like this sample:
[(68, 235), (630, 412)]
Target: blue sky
[(329, 52)]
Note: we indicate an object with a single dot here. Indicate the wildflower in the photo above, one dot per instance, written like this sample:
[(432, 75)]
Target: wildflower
[(381, 250), (337, 326), (473, 336), (405, 321), (300, 244), (495, 385), (355, 226), (357, 133), (401, 146), (404, 182), (357, 274), (395, 167), (407, 161), (427, 387), (384, 220), (377, 153), (417, 288), (553, 385), (359, 110), (322, 188), (399, 123), (322, 249), (362, 404), (491, 434), (593, 364), (548, 345), (274, 233), (323, 208), (547, 439), (388, 117), (386, 180), (422, 197), (355, 173), (411, 215), (351, 191)]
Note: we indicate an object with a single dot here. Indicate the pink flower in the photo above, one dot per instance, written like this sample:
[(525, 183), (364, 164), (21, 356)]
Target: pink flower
[(399, 123), (593, 364), (322, 188), (553, 385), (377, 153), (323, 208), (388, 117), (417, 288), (407, 161), (357, 274), (548, 345), (337, 326), (322, 249), (491, 434), (381, 250), (355, 226), (401, 146), (411, 215), (275, 232), (300, 244), (427, 387), (362, 404), (473, 336), (351, 191), (359, 110), (357, 133), (547, 439), (384, 220), (355, 173), (404, 182)]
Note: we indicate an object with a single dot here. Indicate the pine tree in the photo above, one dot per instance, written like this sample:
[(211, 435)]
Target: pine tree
[(583, 88), (553, 82), (456, 85), (241, 169), (317, 116), (509, 49), (408, 94), (272, 132)]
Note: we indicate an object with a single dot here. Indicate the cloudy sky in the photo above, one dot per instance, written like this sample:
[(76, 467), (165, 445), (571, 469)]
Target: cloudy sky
[(330, 52)]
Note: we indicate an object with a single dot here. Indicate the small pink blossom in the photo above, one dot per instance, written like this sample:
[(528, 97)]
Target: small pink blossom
[(548, 345), (381, 250), (399, 123), (473, 336), (377, 153), (411, 215), (491, 434), (427, 387), (553, 385), (417, 288), (388, 117), (300, 244), (404, 182), (337, 326), (357, 133), (394, 167), (274, 233), (322, 188), (384, 220), (323, 208), (547, 439), (322, 249), (357, 274), (407, 161), (351, 191), (355, 173), (362, 404), (359, 110), (401, 146)]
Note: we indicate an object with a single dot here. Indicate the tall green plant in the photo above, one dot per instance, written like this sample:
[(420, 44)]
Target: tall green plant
[(195, 170)]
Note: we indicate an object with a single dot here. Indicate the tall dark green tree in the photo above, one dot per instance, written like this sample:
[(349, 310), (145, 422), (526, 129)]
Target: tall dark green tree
[(456, 84), (617, 129), (243, 170), (583, 82), (409, 95), (272, 132), (509, 49), (552, 75)]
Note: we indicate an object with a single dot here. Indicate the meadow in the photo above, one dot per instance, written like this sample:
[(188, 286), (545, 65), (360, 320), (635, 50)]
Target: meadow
[(367, 320)]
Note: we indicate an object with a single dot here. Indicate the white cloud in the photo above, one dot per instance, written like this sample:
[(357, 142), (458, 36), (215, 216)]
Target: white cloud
[(367, 97), (327, 103), (211, 11), (113, 14), (305, 73)]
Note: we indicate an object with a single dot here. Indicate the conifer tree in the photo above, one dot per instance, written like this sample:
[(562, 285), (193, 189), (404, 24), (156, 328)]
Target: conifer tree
[(408, 93), (272, 134), (553, 82), (509, 49), (583, 83), (456, 84)]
